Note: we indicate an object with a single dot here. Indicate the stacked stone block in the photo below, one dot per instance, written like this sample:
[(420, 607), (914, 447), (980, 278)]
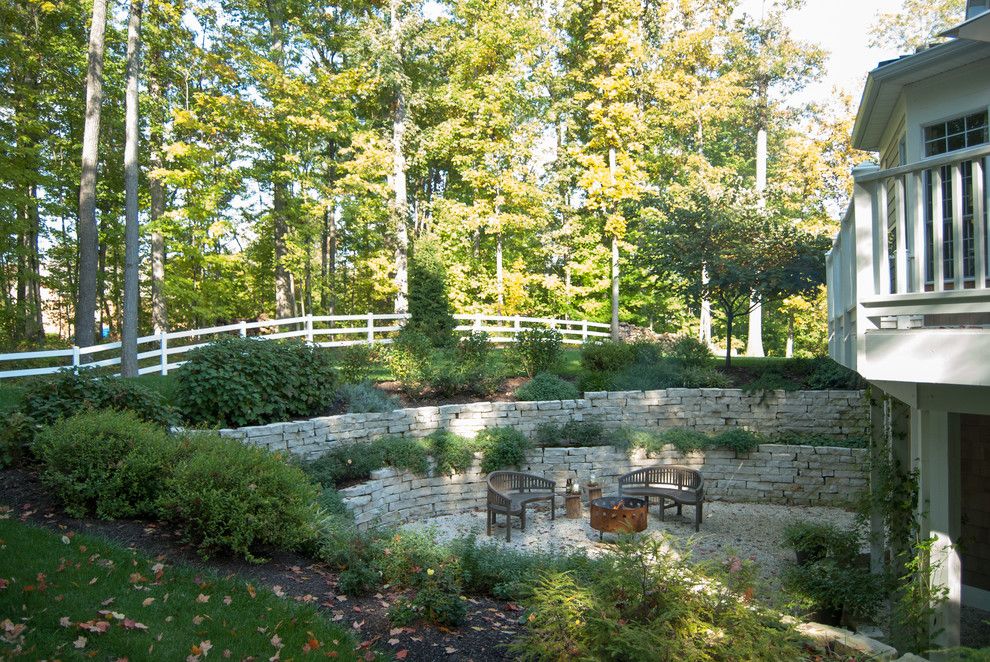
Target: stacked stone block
[(842, 413), (779, 474)]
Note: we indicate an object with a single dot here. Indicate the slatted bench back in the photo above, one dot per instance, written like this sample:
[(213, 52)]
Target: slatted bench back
[(681, 478)]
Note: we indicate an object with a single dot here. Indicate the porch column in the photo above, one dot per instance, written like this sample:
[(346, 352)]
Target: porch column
[(940, 517)]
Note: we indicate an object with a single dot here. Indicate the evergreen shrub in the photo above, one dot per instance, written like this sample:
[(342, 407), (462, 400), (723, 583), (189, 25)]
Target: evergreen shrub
[(246, 381), (547, 386)]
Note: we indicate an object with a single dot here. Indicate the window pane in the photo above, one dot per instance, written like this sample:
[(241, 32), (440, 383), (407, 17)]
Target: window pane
[(957, 125), (976, 136), (933, 132), (956, 142), (977, 120), (935, 147)]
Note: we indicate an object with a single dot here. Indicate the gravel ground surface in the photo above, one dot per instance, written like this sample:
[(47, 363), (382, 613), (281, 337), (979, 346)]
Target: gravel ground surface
[(743, 529)]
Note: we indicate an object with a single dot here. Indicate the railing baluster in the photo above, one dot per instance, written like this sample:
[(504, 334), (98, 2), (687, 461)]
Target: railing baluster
[(938, 265), (917, 215), (979, 226), (958, 260), (881, 240), (901, 263)]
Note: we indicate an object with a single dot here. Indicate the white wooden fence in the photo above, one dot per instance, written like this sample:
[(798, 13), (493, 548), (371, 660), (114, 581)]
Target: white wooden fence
[(163, 352)]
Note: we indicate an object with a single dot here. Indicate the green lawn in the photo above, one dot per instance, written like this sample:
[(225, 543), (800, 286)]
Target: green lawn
[(82, 598)]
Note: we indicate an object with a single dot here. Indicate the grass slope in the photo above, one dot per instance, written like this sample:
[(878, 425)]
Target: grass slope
[(82, 598)]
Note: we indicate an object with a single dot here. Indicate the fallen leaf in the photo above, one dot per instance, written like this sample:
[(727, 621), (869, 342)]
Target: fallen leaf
[(202, 598), (357, 625), (226, 653), (277, 590), (197, 619), (147, 601), (450, 650), (401, 655), (205, 646), (80, 642), (277, 641), (65, 622), (227, 599), (133, 625), (251, 591), (65, 540)]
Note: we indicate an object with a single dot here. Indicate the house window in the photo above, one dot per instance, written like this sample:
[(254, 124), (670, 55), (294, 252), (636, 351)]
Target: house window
[(957, 133)]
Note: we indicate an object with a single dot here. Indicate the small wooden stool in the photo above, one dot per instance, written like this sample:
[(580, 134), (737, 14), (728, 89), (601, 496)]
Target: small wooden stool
[(572, 504), (594, 491)]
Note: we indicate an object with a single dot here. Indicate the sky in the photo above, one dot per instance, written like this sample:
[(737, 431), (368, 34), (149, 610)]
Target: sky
[(841, 27)]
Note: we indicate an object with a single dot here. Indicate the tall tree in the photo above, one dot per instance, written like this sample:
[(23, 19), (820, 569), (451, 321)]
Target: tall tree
[(85, 332), (129, 329), (916, 24), (400, 202)]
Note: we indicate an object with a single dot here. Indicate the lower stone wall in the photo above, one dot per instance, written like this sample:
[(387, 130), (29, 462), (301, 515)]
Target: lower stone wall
[(839, 413), (791, 475)]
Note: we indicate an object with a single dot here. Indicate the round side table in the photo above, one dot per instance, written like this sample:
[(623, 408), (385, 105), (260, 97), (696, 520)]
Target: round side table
[(594, 491)]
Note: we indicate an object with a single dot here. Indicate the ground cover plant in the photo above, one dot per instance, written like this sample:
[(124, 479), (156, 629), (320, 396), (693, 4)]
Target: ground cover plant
[(245, 381), (75, 596), (547, 386)]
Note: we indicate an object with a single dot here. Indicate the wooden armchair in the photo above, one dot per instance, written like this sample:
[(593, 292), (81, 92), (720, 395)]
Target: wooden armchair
[(509, 492)]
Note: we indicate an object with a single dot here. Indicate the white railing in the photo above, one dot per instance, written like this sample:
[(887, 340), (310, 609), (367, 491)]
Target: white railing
[(165, 350), (913, 243)]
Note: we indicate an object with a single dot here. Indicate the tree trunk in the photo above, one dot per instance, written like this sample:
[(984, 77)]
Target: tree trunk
[(705, 323), (132, 300), (729, 318), (499, 275), (159, 310), (400, 210), (754, 340), (328, 261), (35, 324), (285, 304), (615, 260), (87, 232), (789, 351)]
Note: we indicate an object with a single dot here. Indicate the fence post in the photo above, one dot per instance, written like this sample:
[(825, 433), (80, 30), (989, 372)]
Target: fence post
[(75, 356), (477, 321), (164, 356), (371, 328), (309, 328), (243, 328), (584, 331)]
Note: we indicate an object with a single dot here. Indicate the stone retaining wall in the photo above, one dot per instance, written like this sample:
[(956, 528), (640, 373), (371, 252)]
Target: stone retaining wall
[(792, 475), (842, 413)]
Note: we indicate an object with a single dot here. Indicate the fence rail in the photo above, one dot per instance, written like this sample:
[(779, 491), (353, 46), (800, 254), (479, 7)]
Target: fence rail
[(320, 330)]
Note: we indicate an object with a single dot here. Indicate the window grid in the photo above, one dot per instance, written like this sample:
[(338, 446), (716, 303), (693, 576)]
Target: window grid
[(955, 134)]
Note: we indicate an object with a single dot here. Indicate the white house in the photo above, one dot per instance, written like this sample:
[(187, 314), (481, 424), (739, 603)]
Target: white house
[(909, 287)]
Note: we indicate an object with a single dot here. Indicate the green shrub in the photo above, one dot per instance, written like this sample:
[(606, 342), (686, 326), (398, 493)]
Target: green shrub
[(429, 304), (355, 462), (436, 599), (690, 351), (648, 377), (642, 603), (793, 438), (739, 440), (606, 357), (365, 398), (73, 391), (245, 381), (835, 592), (693, 376), (17, 433), (357, 363), (583, 433), (226, 496), (502, 448), (830, 375), (685, 440), (446, 372), (106, 462), (547, 386), (538, 349), (452, 453), (811, 541), (475, 347)]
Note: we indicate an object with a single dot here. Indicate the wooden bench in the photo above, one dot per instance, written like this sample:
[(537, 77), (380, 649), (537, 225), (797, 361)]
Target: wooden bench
[(681, 485), (509, 492)]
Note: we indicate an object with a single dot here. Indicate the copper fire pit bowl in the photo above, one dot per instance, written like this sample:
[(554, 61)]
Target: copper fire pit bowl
[(618, 515)]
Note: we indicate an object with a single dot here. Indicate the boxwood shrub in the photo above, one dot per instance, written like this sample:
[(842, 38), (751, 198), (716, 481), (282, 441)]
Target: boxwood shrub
[(226, 496), (547, 386), (246, 381), (106, 462)]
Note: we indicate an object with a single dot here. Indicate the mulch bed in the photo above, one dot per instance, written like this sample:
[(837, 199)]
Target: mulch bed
[(489, 627)]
